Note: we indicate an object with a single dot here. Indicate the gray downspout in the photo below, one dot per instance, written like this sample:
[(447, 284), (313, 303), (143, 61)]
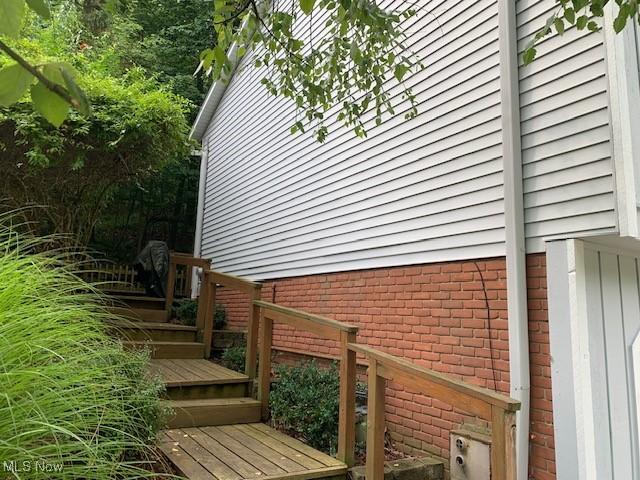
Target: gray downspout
[(514, 230), (197, 241)]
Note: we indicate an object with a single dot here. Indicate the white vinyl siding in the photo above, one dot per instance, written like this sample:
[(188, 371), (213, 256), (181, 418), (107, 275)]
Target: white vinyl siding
[(425, 190), (566, 149), (417, 191)]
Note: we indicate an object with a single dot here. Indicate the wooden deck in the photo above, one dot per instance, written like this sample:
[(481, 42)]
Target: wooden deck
[(198, 371), (245, 451)]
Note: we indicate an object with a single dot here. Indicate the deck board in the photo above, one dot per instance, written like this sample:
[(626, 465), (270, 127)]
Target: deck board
[(176, 372), (246, 451)]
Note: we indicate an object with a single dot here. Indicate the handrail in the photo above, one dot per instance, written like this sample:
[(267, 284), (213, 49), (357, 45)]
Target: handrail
[(323, 326), (344, 334), (231, 281), (486, 404), (396, 366)]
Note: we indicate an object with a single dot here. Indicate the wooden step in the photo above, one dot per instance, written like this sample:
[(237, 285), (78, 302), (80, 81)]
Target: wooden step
[(198, 379), (139, 301), (169, 349), (142, 314), (155, 331), (213, 411), (245, 451)]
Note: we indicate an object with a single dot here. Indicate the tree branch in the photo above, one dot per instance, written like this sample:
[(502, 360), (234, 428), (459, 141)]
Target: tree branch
[(54, 87)]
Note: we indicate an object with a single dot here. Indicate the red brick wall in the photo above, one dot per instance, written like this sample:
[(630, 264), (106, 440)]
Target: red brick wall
[(542, 464), (435, 315)]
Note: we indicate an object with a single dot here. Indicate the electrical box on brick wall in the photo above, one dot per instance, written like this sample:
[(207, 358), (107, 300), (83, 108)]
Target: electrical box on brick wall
[(470, 455)]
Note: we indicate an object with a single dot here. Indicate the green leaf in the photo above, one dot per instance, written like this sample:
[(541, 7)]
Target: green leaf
[(11, 15), (619, 23), (570, 15), (81, 101), (529, 55), (581, 22), (41, 7), (53, 72), (400, 71), (219, 56), (49, 104), (14, 81), (559, 24), (307, 6)]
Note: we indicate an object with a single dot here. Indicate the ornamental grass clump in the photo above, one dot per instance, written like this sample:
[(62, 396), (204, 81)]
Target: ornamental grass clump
[(73, 403)]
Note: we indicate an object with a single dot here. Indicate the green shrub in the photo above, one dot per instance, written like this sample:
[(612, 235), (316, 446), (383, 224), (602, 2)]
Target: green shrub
[(234, 357), (186, 311), (70, 396), (219, 317), (305, 402)]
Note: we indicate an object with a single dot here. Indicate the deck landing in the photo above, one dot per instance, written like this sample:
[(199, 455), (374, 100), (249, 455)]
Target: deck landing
[(175, 372), (245, 451)]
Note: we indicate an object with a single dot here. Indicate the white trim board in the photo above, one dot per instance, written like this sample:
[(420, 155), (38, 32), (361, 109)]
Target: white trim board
[(624, 98), (594, 317)]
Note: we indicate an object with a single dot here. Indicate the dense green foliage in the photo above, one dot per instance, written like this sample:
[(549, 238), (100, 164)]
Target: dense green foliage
[(234, 357), (72, 398), (360, 45), (122, 175), (304, 401), (186, 310)]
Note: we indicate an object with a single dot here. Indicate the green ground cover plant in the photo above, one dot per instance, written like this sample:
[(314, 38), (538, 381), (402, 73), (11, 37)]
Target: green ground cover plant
[(186, 310), (73, 403), (234, 357), (304, 402)]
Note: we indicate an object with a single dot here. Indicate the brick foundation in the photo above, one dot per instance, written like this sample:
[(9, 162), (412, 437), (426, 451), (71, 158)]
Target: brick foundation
[(450, 317)]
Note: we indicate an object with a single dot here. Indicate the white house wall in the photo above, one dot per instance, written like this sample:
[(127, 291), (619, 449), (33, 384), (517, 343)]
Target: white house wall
[(425, 190), (419, 191), (566, 150)]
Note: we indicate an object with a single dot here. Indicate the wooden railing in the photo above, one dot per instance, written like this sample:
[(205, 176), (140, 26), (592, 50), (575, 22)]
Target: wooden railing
[(121, 278), (209, 281), (207, 307), (187, 261), (486, 404), (326, 328)]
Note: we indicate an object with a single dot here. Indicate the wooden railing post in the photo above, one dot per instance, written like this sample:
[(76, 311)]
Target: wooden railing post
[(375, 423), (171, 284), (264, 375), (347, 411), (503, 444), (203, 301), (252, 334), (207, 335)]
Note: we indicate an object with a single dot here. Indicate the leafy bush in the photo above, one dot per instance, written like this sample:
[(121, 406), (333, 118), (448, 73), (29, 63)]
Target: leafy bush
[(305, 402), (234, 358), (71, 397), (187, 311), (219, 317)]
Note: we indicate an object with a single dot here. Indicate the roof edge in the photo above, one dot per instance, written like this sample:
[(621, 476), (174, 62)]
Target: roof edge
[(212, 100)]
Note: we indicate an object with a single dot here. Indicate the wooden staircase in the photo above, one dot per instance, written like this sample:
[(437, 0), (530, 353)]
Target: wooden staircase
[(215, 432)]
